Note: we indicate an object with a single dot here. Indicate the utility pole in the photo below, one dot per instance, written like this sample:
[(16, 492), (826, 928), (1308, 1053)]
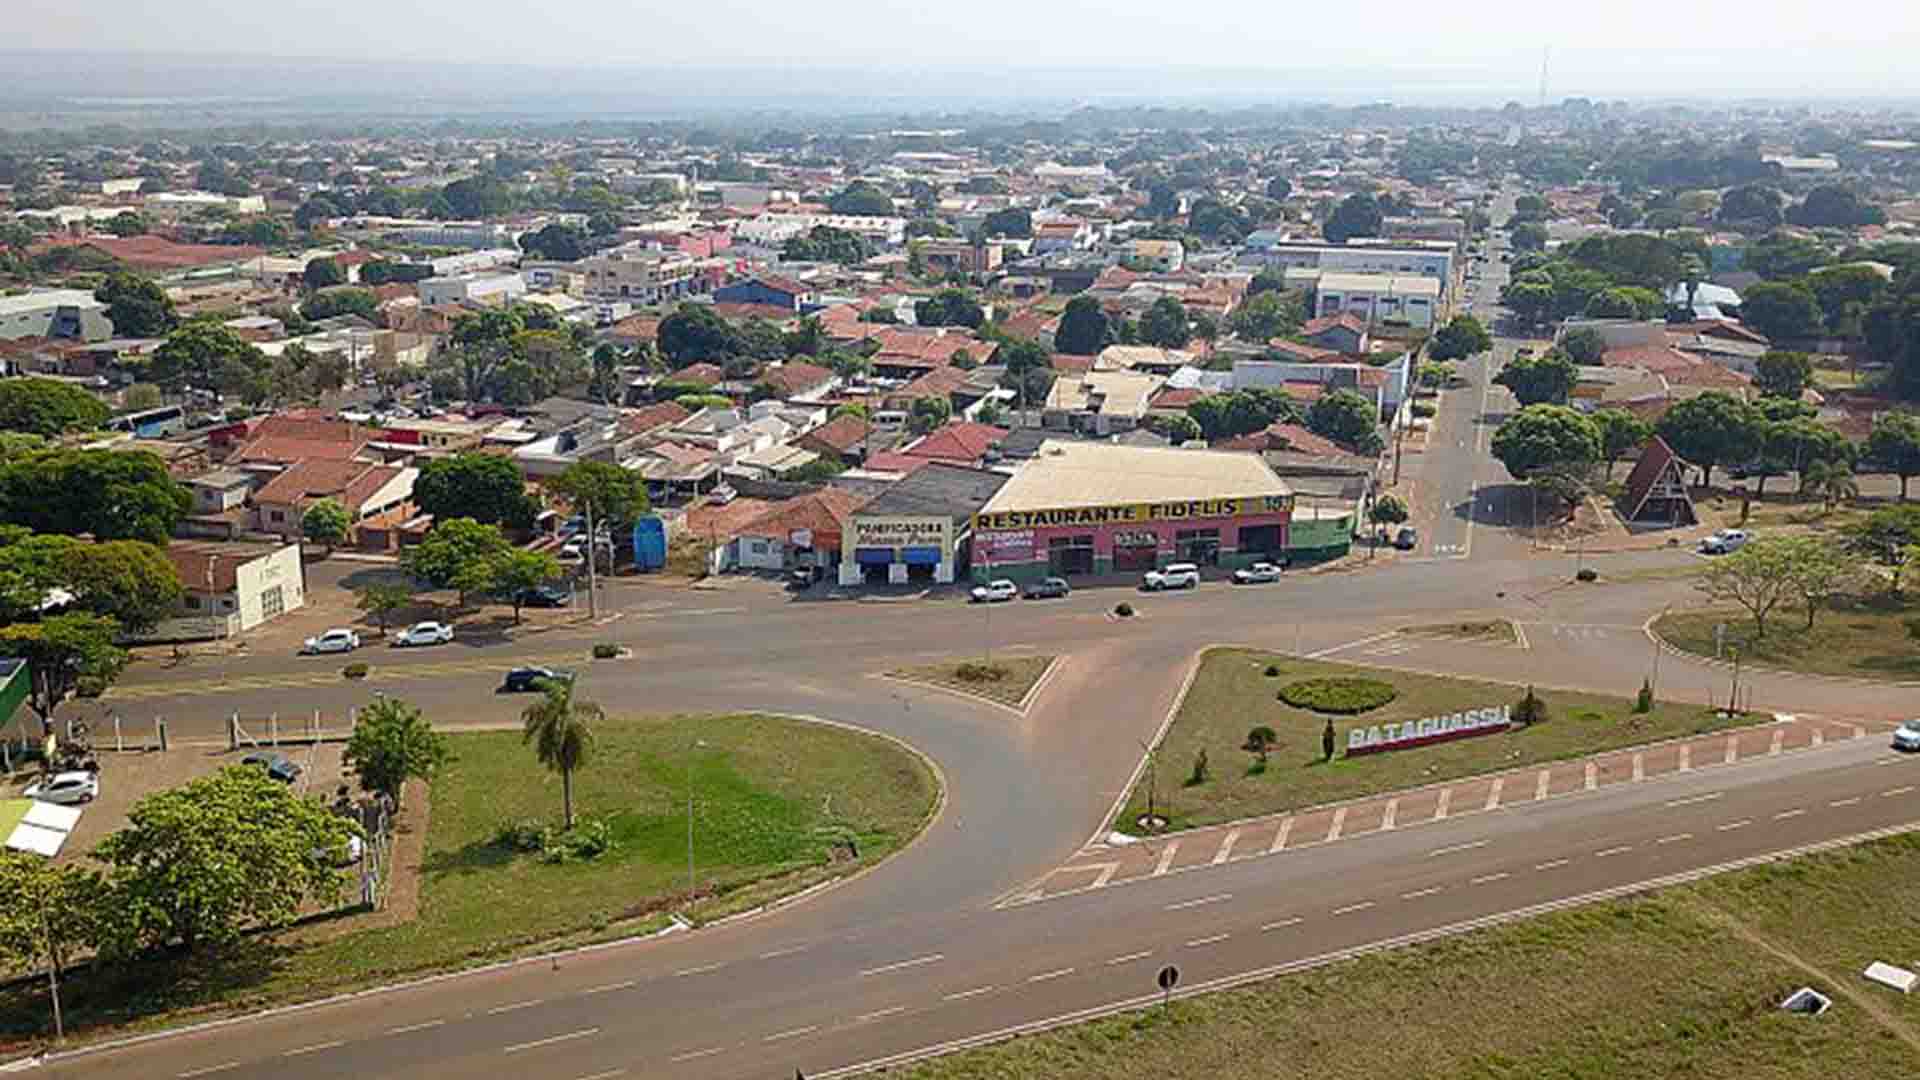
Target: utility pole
[(593, 552), (53, 977), (698, 744)]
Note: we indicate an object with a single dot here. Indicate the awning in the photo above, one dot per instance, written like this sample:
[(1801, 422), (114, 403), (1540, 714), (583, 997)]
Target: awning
[(920, 556), (873, 556)]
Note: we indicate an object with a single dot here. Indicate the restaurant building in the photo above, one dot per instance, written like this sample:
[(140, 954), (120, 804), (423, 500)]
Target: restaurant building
[(1091, 508)]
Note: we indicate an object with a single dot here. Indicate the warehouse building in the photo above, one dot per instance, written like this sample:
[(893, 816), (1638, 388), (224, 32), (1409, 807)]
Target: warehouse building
[(1088, 508)]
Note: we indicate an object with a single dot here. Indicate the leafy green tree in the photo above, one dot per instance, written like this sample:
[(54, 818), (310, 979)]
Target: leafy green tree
[(111, 494), (1584, 346), (1530, 296), (126, 580), (1084, 329), (1894, 446), (60, 650), (1752, 206), (205, 862), (693, 333), (617, 496), (136, 306), (392, 743), (1529, 236), (862, 198), (1626, 302), (1781, 255), (1347, 418), (560, 727), (200, 353), (338, 300), (1886, 536), (381, 599), (1268, 315), (557, 241), (326, 522), (1620, 431), (1279, 188), (1546, 438), (1833, 481), (1845, 292), (1180, 429), (477, 198), (949, 307), (1545, 378), (1014, 221), (47, 407), (1713, 429), (1240, 412), (1388, 509), (49, 912), (823, 243), (1462, 337), (459, 553), (1831, 206), (1783, 374), (1759, 577), (1781, 310), (1165, 324), (517, 570), (1357, 215), (484, 487), (323, 273), (929, 413)]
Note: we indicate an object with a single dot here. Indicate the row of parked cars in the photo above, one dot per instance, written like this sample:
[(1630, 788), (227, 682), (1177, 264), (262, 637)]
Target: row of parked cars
[(1170, 576)]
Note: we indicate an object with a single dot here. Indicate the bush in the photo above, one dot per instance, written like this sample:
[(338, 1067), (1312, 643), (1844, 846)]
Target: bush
[(1643, 701), (1424, 409), (1200, 769), (1342, 696), (1273, 671), (355, 670), (589, 838), (1529, 710), (1123, 609), (520, 835), (606, 651), (89, 686), (1587, 573), (977, 672)]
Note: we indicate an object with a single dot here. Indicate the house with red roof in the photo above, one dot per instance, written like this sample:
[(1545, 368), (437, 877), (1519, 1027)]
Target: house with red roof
[(841, 437), (798, 380), (804, 531), (1342, 333), (962, 442), (366, 491), (906, 354)]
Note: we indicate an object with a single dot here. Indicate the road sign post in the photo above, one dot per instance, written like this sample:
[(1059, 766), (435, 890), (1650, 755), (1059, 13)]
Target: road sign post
[(1168, 978)]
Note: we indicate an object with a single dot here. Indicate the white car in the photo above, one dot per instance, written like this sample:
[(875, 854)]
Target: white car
[(66, 787), (993, 592), (1724, 542), (1180, 575), (424, 633), (338, 639), (1907, 735), (1258, 573)]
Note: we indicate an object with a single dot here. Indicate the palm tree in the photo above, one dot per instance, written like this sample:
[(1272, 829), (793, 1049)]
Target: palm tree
[(1833, 481), (561, 731)]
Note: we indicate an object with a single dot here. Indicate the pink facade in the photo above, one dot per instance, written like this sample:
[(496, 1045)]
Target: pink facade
[(1133, 546)]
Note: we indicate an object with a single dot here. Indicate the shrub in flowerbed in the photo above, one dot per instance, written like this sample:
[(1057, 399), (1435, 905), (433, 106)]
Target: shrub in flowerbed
[(977, 672), (1342, 696)]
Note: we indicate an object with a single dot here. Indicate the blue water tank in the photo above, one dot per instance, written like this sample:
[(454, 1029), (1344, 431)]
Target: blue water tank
[(650, 543)]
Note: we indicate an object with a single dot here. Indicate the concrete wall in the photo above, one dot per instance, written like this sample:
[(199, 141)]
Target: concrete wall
[(281, 569)]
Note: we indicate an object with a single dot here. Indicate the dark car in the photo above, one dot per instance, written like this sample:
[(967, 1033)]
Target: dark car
[(1407, 539), (546, 596), (278, 766), (1048, 587), (524, 679)]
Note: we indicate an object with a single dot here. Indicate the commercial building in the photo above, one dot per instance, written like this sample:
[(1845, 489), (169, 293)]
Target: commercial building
[(644, 275), (472, 289), (54, 313), (916, 529), (232, 588), (1379, 297), (1081, 508)]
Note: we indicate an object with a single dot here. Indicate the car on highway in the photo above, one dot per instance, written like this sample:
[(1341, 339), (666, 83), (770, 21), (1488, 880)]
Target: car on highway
[(1180, 575), (67, 788), (278, 766), (337, 640), (1259, 573), (523, 680), (1907, 735), (993, 592), (1048, 588), (1724, 542), (423, 633), (1407, 538)]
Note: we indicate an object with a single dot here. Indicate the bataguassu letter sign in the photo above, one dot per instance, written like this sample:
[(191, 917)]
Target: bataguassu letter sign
[(1134, 513), (1374, 740)]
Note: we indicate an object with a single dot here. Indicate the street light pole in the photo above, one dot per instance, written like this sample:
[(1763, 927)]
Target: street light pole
[(593, 549), (53, 977), (698, 744)]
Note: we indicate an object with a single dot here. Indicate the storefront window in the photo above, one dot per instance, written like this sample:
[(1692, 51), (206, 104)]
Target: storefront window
[(1070, 555), (1198, 546)]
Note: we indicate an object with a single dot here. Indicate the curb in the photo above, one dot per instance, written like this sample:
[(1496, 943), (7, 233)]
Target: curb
[(1671, 649)]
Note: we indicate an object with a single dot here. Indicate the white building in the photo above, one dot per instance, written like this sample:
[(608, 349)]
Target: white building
[(1379, 297), (472, 288), (772, 230), (641, 274), (232, 588), (185, 201), (54, 313)]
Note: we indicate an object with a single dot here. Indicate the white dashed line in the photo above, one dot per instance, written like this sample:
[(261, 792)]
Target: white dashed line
[(1732, 825), (611, 1073), (1485, 879), (1456, 848), (422, 1026), (794, 1034), (583, 1033), (777, 953), (1675, 838), (1044, 976), (1281, 925), (1130, 957), (1554, 864), (916, 962), (1351, 908), (1214, 940), (1691, 799), (528, 1004), (222, 1067), (1612, 851), (1418, 893), (692, 1054), (865, 1018), (1796, 812), (314, 1049), (1214, 899), (608, 988), (701, 970), (1844, 802), (965, 994), (1891, 792)]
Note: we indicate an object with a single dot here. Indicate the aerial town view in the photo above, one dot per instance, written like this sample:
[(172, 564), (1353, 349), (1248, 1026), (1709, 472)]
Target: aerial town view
[(729, 542)]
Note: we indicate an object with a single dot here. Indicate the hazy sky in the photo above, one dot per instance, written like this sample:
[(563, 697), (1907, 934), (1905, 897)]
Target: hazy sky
[(1627, 48)]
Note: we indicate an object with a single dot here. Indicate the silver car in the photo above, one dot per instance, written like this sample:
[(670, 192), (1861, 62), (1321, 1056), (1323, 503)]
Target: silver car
[(1907, 735)]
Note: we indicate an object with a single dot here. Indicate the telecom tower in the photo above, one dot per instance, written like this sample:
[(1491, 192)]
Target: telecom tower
[(1546, 54)]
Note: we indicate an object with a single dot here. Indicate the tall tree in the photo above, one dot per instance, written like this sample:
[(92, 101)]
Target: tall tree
[(49, 912), (458, 553), (326, 522), (1463, 336), (200, 353), (1348, 418), (1894, 446), (1543, 379), (1268, 315), (1084, 329), (1781, 310), (47, 407), (1358, 215), (60, 651), (518, 571), (1620, 431), (322, 273), (1165, 324), (392, 743), (1759, 577), (1713, 429), (560, 728), (1546, 438), (616, 496), (113, 495), (136, 306), (485, 487), (381, 599), (1783, 374)]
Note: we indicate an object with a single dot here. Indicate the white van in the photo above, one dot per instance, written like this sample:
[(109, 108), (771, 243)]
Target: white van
[(1180, 575)]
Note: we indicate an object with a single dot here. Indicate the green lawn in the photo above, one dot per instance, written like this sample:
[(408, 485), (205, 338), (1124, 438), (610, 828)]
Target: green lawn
[(1015, 679), (775, 801), (1232, 694), (1657, 986), (1866, 639)]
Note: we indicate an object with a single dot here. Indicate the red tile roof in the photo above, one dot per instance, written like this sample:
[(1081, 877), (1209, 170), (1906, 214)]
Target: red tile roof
[(824, 513), (839, 435), (1284, 436), (796, 377), (893, 461), (1306, 354), (1324, 323), (742, 312), (1072, 364), (1178, 397), (937, 382), (653, 418), (962, 441), (929, 349), (157, 252), (702, 374), (351, 482)]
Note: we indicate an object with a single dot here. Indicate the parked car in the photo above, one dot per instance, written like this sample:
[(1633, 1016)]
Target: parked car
[(801, 578), (1407, 538), (1258, 573), (994, 592), (722, 495), (1725, 542), (574, 550), (279, 766), (546, 596), (1048, 587), (1180, 575), (338, 639), (66, 788), (524, 679), (1907, 735), (424, 633)]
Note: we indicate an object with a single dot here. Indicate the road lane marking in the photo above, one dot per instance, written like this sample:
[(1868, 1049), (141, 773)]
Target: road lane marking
[(628, 985), (1733, 749), (421, 1026), (1329, 651), (864, 1018), (1844, 802), (1593, 775), (1732, 825), (701, 970), (777, 953), (916, 962), (205, 1070), (1454, 848), (1044, 976), (583, 1033), (1859, 731), (1281, 925), (1486, 879), (1891, 792), (794, 1034), (313, 1049), (1106, 874), (1350, 908), (1795, 812), (1553, 864), (1779, 741), (964, 994), (1166, 857), (1214, 940), (1691, 799), (1639, 766), (1418, 893), (1214, 899), (611, 1073), (1686, 759), (692, 1054), (1493, 793), (1386, 816), (1440, 808), (1339, 822), (1280, 838), (1541, 783), (1226, 847), (1612, 851), (1675, 838), (1130, 957), (528, 1004)]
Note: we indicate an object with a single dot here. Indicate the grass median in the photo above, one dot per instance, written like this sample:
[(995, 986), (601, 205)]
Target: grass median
[(779, 805), (1864, 639), (1007, 680), (1232, 694), (1682, 982)]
